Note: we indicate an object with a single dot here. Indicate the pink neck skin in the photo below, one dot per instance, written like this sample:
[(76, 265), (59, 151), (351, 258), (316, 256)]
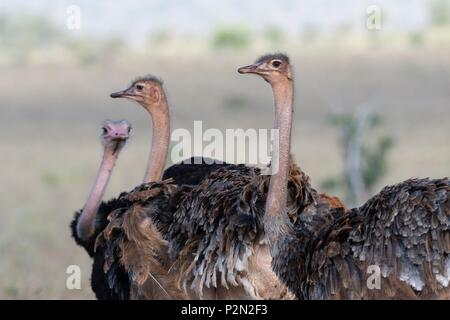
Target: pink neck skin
[(159, 113), (276, 199), (85, 226)]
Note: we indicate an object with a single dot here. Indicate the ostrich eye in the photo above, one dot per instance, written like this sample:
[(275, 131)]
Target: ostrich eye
[(129, 129), (276, 63), (105, 131), (139, 87)]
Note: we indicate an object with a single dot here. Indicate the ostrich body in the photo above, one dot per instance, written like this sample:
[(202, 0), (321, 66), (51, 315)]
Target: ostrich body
[(329, 253), (209, 219), (115, 284), (89, 222), (100, 218), (213, 227), (166, 202), (402, 232)]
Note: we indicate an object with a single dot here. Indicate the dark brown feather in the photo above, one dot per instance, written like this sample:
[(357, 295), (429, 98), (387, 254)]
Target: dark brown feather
[(403, 230)]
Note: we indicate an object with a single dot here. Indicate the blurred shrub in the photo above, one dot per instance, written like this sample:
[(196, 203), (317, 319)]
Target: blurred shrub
[(440, 12), (343, 30), (34, 30), (24, 37), (21, 35), (83, 50), (87, 50), (114, 46), (160, 37), (310, 34), (232, 37), (234, 102), (274, 35), (375, 39), (375, 161), (11, 292), (50, 178), (417, 38)]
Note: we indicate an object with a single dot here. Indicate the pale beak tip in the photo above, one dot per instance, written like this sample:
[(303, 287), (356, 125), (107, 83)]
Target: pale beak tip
[(248, 69)]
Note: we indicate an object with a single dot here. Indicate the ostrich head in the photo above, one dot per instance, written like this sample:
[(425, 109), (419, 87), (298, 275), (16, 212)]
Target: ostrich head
[(146, 90), (115, 134), (273, 68)]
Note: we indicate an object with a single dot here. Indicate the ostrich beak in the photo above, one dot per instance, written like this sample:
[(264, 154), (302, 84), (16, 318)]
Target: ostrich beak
[(118, 94), (122, 94), (253, 68), (120, 136)]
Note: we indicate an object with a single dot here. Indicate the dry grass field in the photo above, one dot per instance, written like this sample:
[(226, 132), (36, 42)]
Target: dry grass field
[(50, 123)]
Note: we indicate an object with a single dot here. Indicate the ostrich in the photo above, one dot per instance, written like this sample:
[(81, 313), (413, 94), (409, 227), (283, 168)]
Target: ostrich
[(114, 137), (120, 228), (232, 235), (149, 93), (217, 220), (92, 220), (115, 284), (328, 253), (164, 200)]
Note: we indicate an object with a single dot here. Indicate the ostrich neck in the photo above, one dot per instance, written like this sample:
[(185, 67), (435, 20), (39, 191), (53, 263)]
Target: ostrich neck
[(160, 140), (85, 226), (277, 196)]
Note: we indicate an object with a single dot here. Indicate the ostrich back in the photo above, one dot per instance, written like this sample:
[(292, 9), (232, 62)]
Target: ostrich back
[(193, 170), (133, 240), (217, 236), (119, 288), (403, 233), (115, 283), (214, 236)]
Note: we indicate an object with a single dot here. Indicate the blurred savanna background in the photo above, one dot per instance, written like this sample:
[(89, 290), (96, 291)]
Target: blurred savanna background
[(372, 102)]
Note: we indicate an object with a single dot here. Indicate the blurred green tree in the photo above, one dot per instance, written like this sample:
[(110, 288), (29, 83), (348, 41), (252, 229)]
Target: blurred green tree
[(160, 37), (22, 35), (231, 36), (440, 12), (417, 38), (365, 162), (87, 50), (310, 34), (274, 35)]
